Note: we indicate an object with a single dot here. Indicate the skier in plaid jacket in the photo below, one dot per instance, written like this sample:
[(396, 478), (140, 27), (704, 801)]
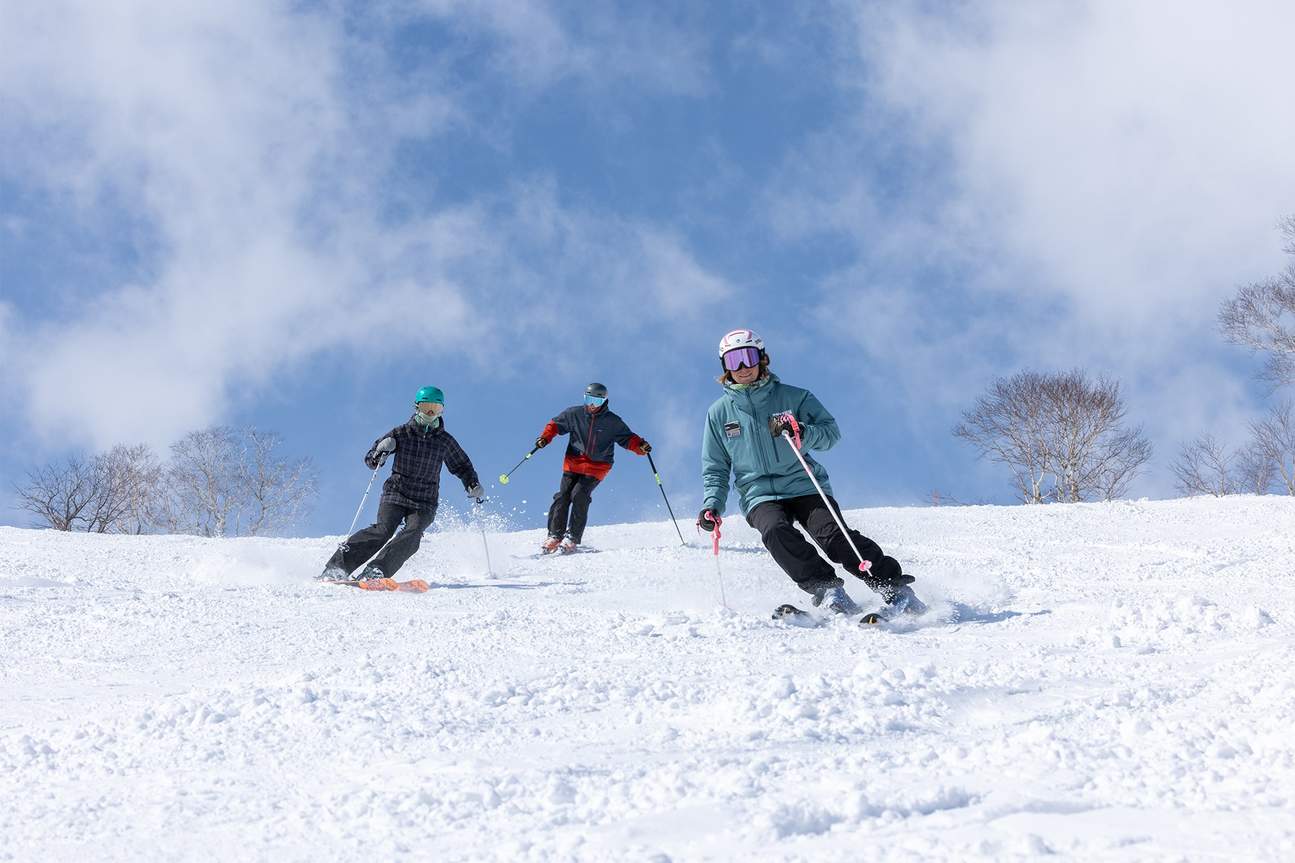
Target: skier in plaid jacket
[(411, 494)]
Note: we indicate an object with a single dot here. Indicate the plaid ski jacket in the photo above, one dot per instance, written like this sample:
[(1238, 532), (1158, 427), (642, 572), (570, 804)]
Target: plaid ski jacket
[(415, 479)]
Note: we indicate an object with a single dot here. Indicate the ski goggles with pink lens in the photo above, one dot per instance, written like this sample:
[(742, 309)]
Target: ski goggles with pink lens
[(741, 358), (595, 401)]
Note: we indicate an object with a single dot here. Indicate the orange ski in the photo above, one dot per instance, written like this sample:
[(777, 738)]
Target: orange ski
[(414, 585)]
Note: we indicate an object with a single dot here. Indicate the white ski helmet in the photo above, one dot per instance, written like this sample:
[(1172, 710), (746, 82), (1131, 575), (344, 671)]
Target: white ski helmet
[(740, 339)]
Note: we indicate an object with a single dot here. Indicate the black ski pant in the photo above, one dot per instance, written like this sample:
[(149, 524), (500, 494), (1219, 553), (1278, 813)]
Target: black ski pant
[(776, 521), (364, 542), (573, 497)]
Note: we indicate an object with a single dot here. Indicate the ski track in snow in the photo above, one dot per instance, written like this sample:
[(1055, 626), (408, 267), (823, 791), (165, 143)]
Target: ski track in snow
[(1094, 682)]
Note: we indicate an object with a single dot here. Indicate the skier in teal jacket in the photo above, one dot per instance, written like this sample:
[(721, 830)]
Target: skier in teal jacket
[(743, 441)]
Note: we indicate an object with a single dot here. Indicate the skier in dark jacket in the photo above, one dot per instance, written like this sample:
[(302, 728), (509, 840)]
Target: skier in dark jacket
[(743, 440), (411, 494), (594, 429)]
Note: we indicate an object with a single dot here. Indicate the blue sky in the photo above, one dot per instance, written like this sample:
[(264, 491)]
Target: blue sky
[(295, 214)]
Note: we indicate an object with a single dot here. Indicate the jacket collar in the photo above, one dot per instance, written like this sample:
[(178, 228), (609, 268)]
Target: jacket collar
[(439, 425)]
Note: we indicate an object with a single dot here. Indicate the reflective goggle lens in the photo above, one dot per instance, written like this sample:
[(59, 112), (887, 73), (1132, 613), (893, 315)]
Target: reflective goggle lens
[(595, 401), (741, 358)]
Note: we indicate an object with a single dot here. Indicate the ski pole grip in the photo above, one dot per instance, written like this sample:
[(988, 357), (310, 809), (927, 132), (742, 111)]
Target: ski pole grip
[(790, 419), (715, 534)]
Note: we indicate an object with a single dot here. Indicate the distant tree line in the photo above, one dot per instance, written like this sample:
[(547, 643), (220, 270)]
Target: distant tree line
[(218, 481), (1063, 436)]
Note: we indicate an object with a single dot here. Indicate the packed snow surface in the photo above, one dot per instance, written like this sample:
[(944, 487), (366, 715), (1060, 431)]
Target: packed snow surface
[(1093, 682)]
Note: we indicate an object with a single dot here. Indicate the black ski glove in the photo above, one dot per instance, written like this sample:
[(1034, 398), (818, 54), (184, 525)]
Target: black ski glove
[(644, 447), (541, 442), (377, 457), (707, 519), (779, 423)]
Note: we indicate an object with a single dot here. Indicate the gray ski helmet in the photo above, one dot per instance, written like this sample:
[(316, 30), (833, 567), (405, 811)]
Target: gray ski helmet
[(596, 390)]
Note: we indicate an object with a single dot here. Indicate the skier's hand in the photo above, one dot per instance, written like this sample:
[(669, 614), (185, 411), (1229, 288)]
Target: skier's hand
[(377, 457), (707, 519), (779, 423), (541, 442), (476, 492), (644, 447)]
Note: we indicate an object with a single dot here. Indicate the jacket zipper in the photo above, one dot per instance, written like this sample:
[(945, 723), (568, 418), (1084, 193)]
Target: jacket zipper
[(589, 444), (768, 468)]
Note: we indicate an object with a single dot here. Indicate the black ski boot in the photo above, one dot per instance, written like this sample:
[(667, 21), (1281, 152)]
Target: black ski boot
[(899, 600), (835, 599), (333, 572)]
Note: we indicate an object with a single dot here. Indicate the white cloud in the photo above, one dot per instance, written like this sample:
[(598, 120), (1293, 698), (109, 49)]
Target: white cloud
[(1131, 159), (252, 142)]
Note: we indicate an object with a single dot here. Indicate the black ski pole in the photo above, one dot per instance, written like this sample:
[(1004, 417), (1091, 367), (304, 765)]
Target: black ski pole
[(652, 464), (503, 477)]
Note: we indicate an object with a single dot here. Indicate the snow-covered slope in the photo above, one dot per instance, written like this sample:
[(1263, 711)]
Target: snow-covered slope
[(1119, 684)]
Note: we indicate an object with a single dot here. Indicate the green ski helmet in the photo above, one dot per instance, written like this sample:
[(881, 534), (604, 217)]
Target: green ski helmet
[(430, 394)]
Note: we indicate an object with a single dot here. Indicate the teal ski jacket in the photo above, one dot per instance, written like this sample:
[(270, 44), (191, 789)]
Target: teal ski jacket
[(737, 444)]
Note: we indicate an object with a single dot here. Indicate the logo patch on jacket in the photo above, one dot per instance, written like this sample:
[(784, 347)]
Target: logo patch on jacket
[(733, 429)]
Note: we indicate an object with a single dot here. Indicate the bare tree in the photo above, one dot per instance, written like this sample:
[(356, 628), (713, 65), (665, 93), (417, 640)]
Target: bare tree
[(224, 482), (1274, 443), (1255, 470), (1204, 466), (203, 481), (1061, 435), (60, 494), (1007, 425), (278, 490), (1262, 317), (128, 480)]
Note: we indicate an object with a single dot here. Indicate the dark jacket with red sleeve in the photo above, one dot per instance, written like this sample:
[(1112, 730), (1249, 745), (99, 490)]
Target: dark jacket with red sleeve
[(591, 447)]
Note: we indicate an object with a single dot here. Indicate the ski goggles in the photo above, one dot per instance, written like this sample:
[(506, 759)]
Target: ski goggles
[(741, 358), (595, 401), (431, 409)]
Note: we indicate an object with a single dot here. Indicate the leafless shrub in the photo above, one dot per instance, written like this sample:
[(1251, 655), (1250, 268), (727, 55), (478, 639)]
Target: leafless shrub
[(108, 493), (1274, 444), (59, 494), (1262, 317), (1061, 435), (1205, 466), (224, 482)]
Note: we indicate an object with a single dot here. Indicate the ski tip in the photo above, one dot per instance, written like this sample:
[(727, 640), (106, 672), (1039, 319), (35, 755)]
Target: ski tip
[(871, 618)]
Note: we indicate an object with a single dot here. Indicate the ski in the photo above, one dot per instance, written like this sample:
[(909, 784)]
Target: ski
[(414, 585), (800, 617), (789, 613)]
